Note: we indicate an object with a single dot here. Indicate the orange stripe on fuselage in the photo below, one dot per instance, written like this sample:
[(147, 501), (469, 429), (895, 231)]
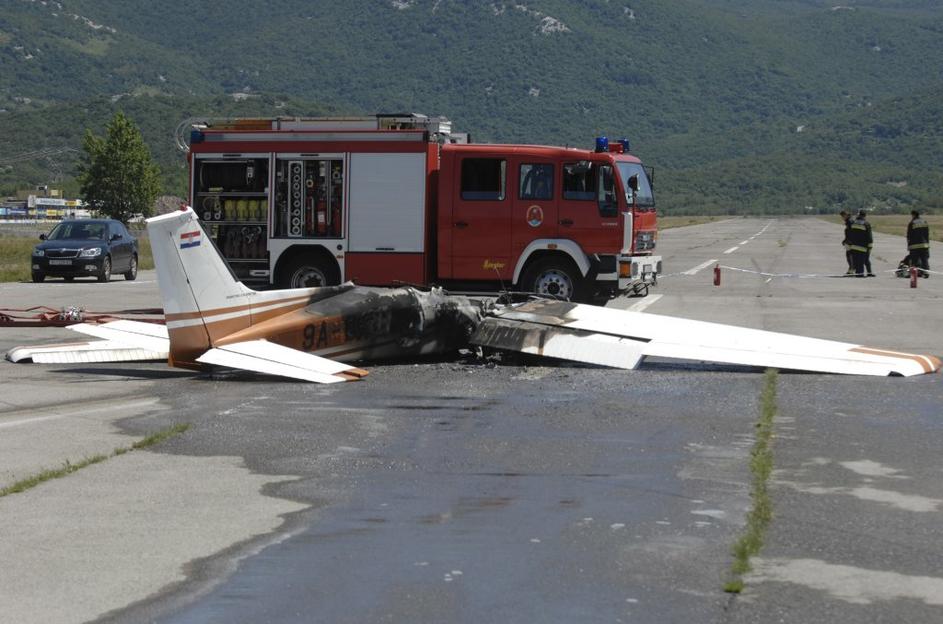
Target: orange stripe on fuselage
[(929, 363), (186, 316), (297, 329), (186, 345), (190, 342)]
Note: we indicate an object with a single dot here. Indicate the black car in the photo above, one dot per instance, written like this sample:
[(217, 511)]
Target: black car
[(86, 248)]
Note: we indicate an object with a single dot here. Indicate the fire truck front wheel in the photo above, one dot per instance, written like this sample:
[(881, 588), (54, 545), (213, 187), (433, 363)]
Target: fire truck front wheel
[(555, 277), (307, 274)]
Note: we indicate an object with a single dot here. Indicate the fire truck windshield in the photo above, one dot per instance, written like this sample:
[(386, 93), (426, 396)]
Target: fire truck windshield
[(644, 196)]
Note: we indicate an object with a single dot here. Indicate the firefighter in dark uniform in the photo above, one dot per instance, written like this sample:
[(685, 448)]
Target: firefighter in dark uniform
[(859, 242), (918, 243), (846, 219), (867, 259)]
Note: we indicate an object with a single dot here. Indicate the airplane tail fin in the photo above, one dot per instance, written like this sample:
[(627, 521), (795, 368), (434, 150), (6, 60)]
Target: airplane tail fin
[(202, 299)]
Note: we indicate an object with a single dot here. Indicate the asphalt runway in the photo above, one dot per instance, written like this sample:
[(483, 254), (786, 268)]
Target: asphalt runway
[(453, 490)]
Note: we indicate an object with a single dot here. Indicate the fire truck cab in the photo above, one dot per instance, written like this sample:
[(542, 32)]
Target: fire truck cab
[(390, 199)]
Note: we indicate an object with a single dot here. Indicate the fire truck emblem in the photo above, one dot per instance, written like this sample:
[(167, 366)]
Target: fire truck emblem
[(535, 216)]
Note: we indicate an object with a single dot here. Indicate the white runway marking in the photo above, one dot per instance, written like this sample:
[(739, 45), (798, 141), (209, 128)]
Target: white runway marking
[(644, 303), (26, 421), (745, 242), (703, 265), (82, 411), (732, 249)]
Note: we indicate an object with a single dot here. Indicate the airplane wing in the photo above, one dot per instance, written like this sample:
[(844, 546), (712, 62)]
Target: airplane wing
[(147, 336), (262, 356), (124, 341), (83, 352), (621, 339)]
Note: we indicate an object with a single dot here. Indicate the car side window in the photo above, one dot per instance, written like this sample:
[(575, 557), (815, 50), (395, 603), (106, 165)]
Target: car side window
[(97, 231)]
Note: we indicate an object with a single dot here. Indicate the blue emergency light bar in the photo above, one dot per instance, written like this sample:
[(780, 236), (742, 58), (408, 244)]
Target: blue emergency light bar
[(602, 144), (625, 144)]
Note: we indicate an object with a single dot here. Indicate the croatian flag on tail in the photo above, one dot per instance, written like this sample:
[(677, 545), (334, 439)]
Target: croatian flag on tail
[(190, 239)]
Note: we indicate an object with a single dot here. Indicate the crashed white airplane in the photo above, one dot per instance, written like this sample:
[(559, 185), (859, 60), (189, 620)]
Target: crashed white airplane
[(214, 320)]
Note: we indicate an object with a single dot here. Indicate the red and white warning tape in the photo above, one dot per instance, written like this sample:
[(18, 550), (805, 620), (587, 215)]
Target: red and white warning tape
[(803, 275)]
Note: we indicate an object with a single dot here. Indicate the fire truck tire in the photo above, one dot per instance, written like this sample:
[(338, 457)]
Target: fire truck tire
[(307, 274), (554, 276), (38, 277)]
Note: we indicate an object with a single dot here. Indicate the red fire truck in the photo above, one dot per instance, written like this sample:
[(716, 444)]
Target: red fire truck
[(392, 199)]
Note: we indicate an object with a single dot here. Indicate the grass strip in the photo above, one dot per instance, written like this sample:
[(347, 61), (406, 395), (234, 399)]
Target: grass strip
[(68, 468), (761, 466), (668, 222), (159, 436), (897, 224)]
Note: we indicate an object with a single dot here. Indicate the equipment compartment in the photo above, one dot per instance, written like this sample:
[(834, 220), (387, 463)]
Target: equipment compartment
[(309, 198), (231, 198)]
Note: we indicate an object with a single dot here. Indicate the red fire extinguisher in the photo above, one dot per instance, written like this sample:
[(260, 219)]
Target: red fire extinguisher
[(322, 216)]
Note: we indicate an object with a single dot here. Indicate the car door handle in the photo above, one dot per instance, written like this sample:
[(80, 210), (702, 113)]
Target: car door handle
[(566, 222), (461, 224)]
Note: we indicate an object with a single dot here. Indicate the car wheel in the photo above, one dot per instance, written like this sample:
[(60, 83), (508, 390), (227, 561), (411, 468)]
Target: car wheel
[(105, 274), (132, 270), (38, 277), (554, 277)]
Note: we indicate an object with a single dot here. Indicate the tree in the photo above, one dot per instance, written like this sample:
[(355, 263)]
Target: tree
[(117, 175)]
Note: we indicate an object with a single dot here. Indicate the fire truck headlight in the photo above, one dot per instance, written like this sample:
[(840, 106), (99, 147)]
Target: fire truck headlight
[(644, 241)]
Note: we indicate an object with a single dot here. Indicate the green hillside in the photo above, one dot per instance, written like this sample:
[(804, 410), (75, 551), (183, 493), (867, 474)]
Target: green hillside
[(742, 106)]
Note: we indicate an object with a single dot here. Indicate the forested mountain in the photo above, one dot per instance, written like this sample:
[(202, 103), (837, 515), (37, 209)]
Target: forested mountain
[(741, 105)]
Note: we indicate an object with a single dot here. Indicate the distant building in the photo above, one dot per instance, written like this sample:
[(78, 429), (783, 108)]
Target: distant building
[(41, 203)]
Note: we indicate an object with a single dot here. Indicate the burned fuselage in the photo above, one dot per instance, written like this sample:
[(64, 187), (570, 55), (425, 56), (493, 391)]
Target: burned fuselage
[(365, 323)]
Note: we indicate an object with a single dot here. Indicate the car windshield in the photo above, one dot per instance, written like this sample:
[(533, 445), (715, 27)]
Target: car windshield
[(644, 196), (78, 230)]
